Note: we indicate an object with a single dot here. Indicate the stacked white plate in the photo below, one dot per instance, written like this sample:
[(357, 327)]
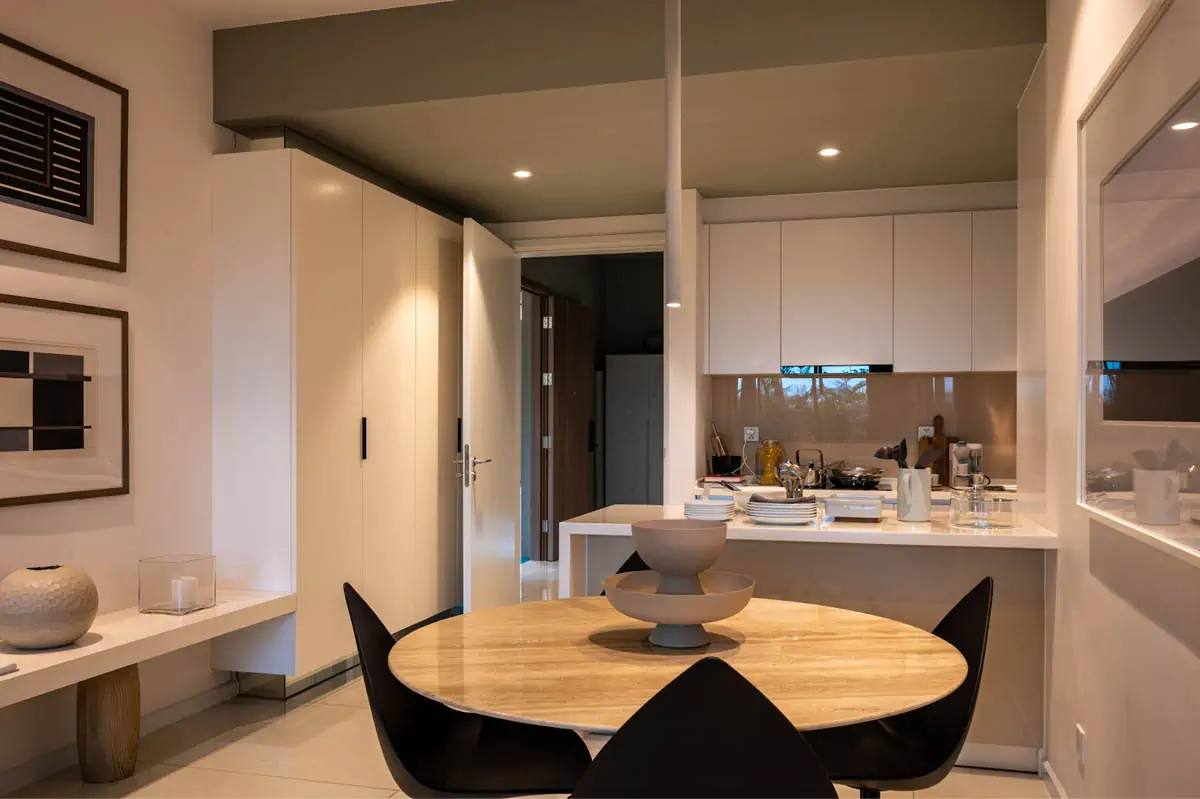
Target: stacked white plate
[(782, 514), (716, 510)]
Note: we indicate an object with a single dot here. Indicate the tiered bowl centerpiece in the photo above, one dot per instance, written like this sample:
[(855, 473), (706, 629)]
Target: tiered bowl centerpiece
[(681, 594)]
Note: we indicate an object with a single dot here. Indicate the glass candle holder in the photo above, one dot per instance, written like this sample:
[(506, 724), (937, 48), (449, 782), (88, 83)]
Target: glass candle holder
[(176, 584)]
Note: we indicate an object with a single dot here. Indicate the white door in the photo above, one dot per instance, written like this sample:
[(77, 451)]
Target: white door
[(491, 429)]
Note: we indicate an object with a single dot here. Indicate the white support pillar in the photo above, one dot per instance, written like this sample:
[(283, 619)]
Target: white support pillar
[(685, 276)]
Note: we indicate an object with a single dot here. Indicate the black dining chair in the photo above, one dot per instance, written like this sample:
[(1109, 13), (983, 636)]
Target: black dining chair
[(708, 734), (915, 750), (633, 563), (432, 750)]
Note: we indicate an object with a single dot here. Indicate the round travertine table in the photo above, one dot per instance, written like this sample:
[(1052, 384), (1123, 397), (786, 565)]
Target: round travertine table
[(578, 663)]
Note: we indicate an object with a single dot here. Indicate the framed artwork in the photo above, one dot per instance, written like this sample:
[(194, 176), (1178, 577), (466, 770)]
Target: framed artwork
[(64, 148), (64, 401)]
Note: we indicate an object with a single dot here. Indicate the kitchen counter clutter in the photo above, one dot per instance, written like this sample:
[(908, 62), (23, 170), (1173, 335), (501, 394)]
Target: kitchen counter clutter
[(910, 572)]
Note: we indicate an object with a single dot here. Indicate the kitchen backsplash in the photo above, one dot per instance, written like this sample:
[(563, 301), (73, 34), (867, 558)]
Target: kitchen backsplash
[(850, 417)]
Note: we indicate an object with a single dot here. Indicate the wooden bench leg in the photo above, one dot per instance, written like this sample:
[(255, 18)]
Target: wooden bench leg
[(109, 725)]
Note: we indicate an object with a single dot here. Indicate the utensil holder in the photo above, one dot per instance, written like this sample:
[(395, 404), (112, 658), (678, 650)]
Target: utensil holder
[(1156, 496), (914, 495)]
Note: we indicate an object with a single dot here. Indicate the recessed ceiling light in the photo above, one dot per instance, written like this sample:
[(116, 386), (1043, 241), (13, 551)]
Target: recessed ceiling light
[(522, 174), (1184, 125), (674, 305), (828, 152)]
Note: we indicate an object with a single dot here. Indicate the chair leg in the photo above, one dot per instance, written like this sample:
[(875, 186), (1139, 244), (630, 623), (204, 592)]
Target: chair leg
[(868, 793)]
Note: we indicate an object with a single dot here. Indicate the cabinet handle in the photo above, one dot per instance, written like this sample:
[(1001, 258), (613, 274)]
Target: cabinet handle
[(363, 438)]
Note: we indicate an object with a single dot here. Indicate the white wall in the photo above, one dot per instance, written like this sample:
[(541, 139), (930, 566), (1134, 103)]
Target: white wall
[(165, 62), (1031, 293), (1125, 653)]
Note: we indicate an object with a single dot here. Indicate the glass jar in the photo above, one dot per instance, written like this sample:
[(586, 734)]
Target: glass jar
[(769, 456)]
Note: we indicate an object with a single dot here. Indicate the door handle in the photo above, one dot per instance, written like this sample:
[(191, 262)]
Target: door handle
[(475, 462)]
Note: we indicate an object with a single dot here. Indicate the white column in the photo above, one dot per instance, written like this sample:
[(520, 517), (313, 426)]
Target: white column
[(685, 394)]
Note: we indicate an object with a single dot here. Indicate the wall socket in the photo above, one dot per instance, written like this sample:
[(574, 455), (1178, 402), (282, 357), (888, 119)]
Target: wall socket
[(924, 431), (750, 434), (1080, 745)]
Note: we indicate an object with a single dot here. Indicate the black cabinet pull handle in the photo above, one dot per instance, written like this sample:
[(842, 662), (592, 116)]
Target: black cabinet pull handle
[(364, 438)]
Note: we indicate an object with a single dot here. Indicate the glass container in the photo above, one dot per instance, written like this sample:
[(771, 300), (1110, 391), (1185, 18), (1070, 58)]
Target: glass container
[(769, 455), (977, 509), (176, 584)]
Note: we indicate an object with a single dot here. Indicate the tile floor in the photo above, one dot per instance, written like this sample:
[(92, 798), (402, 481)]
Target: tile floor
[(539, 580), (322, 744)]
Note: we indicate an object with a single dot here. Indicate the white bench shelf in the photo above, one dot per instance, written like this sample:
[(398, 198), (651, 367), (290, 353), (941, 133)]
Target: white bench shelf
[(117, 642)]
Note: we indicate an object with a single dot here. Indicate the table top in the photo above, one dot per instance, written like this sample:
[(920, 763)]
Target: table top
[(577, 663)]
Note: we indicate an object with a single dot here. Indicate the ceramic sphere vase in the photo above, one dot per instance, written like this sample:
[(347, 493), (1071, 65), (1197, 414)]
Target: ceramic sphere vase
[(46, 606)]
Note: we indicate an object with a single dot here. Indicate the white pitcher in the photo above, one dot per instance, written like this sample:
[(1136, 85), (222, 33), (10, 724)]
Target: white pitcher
[(1156, 496), (914, 500)]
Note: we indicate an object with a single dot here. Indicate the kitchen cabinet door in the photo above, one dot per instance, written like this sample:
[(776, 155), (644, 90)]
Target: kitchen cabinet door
[(933, 293), (837, 291), (994, 291), (743, 311)]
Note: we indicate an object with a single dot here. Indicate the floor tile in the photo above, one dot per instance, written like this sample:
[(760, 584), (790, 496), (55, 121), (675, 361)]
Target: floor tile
[(852, 793), (353, 694), (157, 781), (320, 742), (965, 783)]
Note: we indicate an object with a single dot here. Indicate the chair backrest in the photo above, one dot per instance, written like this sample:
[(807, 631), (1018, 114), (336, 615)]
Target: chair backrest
[(944, 724), (707, 734), (402, 716)]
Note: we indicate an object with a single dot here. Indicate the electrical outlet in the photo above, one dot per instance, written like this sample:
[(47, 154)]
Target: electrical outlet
[(750, 434), (1080, 745), (924, 431)]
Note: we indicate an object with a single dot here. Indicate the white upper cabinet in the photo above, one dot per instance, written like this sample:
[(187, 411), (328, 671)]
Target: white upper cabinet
[(744, 319), (837, 291), (994, 291), (933, 293)]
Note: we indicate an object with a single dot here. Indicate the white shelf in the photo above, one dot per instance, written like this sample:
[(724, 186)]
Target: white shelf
[(125, 637), (1178, 540)]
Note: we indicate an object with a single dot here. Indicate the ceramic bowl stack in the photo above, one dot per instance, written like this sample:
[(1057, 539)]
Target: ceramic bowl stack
[(783, 511), (718, 509)]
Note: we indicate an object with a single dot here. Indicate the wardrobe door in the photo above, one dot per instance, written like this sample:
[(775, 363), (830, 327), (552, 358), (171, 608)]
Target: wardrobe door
[(327, 274), (389, 470), (437, 571)]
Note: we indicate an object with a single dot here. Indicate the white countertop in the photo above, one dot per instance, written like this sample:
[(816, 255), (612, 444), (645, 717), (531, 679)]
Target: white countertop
[(617, 520), (125, 636)]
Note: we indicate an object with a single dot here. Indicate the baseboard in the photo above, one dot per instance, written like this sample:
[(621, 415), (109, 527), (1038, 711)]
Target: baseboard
[(279, 687), (1056, 787), (51, 763), (1000, 756)]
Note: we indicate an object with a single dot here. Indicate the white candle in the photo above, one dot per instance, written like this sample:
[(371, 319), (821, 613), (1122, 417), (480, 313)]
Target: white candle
[(184, 592)]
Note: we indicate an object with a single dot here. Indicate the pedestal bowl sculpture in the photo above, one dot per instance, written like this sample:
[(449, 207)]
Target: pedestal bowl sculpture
[(681, 594)]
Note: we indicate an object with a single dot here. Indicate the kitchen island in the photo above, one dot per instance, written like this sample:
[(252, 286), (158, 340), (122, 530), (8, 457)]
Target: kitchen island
[(905, 571)]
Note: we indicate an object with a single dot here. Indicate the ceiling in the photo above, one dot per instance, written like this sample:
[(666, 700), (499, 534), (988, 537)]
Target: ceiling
[(218, 14), (919, 93)]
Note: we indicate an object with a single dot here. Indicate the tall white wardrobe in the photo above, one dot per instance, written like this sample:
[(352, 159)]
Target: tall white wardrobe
[(336, 367)]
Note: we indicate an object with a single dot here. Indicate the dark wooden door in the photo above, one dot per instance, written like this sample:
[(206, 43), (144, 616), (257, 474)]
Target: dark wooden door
[(572, 360)]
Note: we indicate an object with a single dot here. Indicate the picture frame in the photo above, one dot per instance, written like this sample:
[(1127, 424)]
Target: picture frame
[(64, 190), (64, 401)]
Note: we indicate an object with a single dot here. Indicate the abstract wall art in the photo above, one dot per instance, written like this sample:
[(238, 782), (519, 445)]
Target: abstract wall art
[(64, 408), (63, 154)]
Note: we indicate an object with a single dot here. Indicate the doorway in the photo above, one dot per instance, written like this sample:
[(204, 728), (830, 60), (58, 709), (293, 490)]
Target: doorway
[(584, 318)]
